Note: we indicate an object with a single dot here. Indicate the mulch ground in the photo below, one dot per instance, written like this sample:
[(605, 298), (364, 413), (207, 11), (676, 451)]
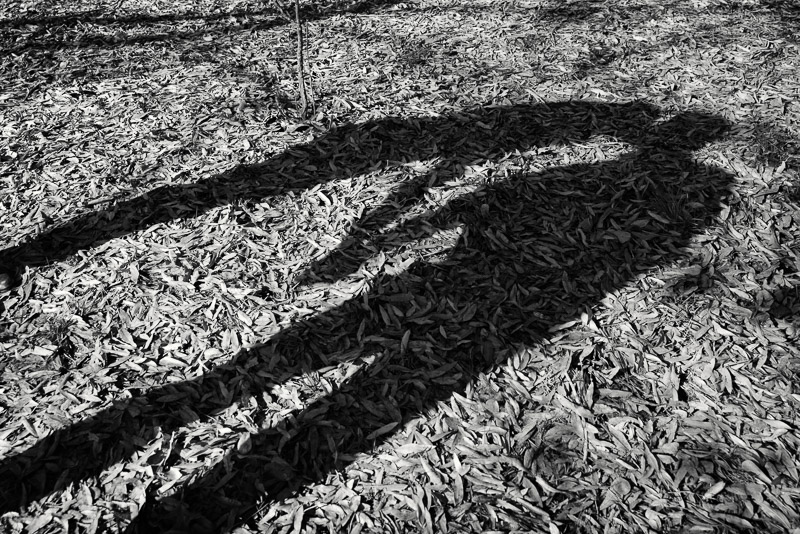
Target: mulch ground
[(529, 266)]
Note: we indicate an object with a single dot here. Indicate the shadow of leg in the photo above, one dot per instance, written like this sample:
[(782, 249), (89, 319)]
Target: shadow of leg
[(326, 435)]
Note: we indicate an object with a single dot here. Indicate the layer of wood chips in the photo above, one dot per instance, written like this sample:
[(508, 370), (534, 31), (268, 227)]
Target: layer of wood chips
[(532, 266)]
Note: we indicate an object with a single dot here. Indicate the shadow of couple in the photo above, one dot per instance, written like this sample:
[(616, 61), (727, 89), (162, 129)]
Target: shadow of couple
[(536, 247)]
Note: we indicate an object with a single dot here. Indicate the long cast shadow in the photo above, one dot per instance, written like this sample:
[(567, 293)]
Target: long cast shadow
[(345, 151), (537, 248), (109, 17), (45, 38), (102, 17)]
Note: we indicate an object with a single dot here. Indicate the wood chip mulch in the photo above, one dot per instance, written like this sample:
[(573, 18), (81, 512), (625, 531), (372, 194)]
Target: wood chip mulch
[(532, 266)]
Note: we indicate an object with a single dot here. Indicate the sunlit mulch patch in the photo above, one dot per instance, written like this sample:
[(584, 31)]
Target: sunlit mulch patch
[(531, 266)]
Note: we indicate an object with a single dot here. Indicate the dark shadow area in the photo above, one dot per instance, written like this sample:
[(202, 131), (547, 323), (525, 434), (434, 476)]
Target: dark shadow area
[(610, 17), (49, 33), (536, 249), (367, 145), (123, 16), (108, 17)]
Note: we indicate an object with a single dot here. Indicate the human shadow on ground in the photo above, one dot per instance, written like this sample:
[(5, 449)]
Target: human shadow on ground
[(536, 248)]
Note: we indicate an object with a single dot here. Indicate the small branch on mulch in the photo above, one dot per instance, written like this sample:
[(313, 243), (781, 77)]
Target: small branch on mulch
[(306, 105)]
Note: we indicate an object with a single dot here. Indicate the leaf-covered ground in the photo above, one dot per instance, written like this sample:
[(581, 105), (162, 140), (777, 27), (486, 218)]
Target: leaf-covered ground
[(530, 266)]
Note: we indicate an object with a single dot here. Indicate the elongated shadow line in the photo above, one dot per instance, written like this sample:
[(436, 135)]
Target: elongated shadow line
[(112, 41), (41, 42), (100, 17)]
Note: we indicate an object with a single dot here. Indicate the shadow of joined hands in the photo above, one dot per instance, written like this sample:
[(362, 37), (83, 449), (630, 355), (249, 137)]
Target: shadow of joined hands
[(536, 249)]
